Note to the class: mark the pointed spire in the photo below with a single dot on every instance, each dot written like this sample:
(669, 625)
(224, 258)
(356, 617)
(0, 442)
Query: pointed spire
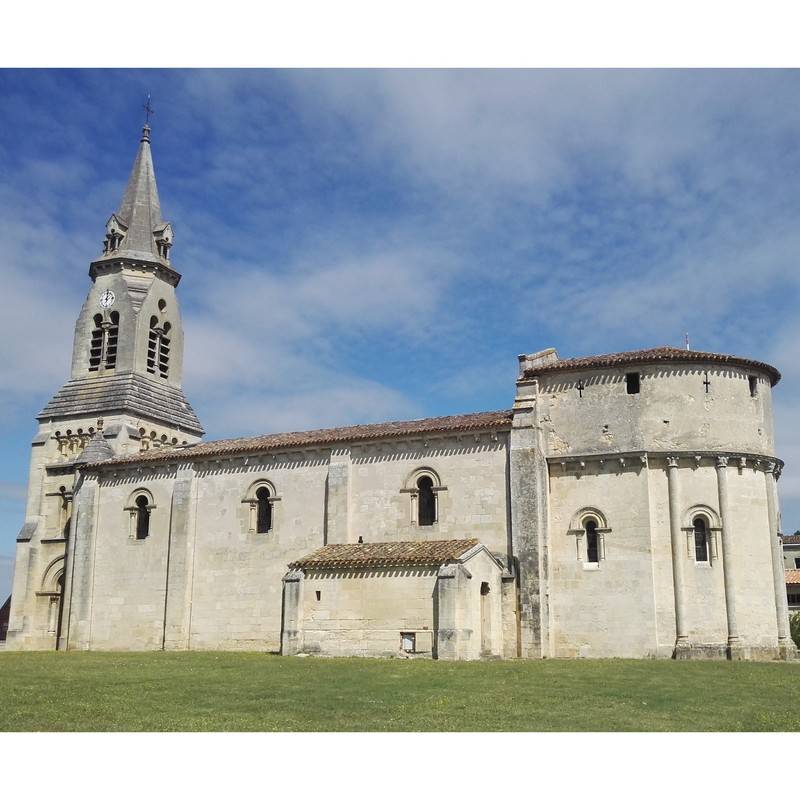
(137, 228)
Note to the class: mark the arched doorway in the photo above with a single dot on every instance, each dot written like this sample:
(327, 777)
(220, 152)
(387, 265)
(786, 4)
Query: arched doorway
(60, 612)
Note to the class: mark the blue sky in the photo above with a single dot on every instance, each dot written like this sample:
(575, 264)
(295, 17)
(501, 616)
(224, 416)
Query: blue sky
(366, 245)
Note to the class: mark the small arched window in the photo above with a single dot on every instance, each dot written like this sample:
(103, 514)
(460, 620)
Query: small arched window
(700, 540)
(263, 510)
(158, 348)
(592, 542)
(426, 501)
(142, 517)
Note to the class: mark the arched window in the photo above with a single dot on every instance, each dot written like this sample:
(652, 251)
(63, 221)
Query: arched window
(142, 517)
(592, 542)
(263, 511)
(163, 351)
(261, 499)
(158, 348)
(700, 540)
(103, 345)
(96, 344)
(590, 529)
(426, 502)
(112, 336)
(425, 490)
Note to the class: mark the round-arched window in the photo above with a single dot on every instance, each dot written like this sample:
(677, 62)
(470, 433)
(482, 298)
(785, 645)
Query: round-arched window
(264, 510)
(142, 517)
(426, 503)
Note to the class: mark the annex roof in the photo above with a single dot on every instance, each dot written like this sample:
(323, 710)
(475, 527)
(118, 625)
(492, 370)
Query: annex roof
(496, 420)
(385, 554)
(791, 539)
(654, 355)
(793, 576)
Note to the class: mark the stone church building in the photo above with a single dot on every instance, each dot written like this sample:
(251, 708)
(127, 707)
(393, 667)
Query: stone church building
(624, 506)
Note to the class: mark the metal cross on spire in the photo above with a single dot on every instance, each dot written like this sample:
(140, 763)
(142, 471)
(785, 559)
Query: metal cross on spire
(148, 110)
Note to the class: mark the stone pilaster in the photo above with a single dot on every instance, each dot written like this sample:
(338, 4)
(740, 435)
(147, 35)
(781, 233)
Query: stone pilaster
(786, 646)
(529, 486)
(292, 626)
(678, 555)
(445, 613)
(179, 561)
(734, 643)
(337, 499)
(79, 567)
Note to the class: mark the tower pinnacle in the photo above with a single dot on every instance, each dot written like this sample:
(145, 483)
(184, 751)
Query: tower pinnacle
(137, 230)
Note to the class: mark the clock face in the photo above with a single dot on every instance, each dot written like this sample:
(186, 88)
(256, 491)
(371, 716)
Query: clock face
(107, 299)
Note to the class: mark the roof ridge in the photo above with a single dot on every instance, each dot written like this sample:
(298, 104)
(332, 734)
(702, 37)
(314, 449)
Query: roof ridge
(318, 436)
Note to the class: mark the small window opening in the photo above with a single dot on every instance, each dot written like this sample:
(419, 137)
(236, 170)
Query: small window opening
(112, 337)
(484, 588)
(142, 517)
(753, 381)
(700, 540)
(264, 512)
(319, 595)
(96, 344)
(797, 563)
(426, 501)
(158, 348)
(592, 544)
(632, 382)
(408, 642)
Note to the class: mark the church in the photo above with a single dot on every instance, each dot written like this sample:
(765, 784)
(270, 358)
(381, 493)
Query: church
(623, 505)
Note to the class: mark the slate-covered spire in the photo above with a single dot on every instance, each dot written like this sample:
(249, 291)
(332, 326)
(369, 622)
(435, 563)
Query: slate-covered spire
(137, 229)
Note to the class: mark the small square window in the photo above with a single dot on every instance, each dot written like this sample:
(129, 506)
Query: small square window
(632, 382)
(408, 642)
(797, 563)
(753, 381)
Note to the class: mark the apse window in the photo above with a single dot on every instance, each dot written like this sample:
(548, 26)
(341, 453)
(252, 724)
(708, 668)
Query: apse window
(408, 642)
(753, 381)
(700, 541)
(632, 382)
(592, 542)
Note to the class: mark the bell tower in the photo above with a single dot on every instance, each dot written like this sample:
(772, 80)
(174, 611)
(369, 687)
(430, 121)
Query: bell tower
(124, 394)
(127, 357)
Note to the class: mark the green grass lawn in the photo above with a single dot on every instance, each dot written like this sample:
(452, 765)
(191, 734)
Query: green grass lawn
(258, 692)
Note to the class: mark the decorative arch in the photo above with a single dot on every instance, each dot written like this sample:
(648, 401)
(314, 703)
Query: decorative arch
(702, 524)
(710, 516)
(261, 497)
(589, 526)
(587, 513)
(140, 507)
(423, 485)
(53, 572)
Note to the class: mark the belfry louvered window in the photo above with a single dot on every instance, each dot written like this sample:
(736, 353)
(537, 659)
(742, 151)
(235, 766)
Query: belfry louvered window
(103, 345)
(158, 342)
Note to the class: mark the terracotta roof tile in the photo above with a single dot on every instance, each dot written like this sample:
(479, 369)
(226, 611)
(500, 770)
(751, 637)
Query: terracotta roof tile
(654, 355)
(791, 539)
(355, 433)
(793, 576)
(385, 554)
